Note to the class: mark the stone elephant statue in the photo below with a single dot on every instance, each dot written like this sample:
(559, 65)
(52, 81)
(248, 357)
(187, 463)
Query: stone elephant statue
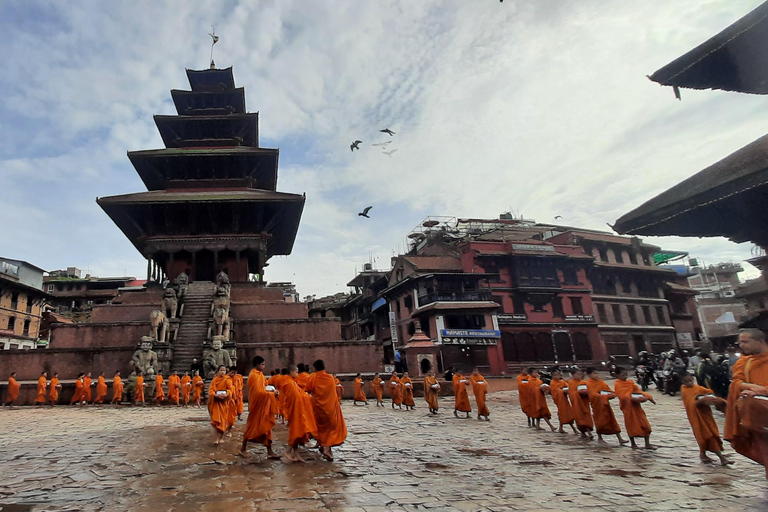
(159, 325)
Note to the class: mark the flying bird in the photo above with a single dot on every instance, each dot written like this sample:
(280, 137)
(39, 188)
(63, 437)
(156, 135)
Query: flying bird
(558, 217)
(383, 143)
(355, 145)
(389, 153)
(387, 130)
(364, 213)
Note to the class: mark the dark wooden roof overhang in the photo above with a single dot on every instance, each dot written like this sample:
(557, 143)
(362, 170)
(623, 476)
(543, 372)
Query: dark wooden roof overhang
(209, 217)
(736, 59)
(209, 102)
(207, 131)
(158, 167)
(726, 199)
(211, 79)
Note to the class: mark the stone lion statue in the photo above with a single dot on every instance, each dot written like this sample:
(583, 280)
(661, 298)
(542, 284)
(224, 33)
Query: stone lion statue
(170, 303)
(221, 299)
(181, 283)
(159, 325)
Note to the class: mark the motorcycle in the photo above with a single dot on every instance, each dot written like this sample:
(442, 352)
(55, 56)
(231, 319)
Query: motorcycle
(673, 381)
(643, 376)
(545, 375)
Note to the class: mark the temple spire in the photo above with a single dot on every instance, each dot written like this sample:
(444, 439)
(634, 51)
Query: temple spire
(215, 39)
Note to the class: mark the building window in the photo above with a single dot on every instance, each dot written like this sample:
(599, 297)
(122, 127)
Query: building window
(26, 328)
(464, 321)
(576, 306)
(29, 305)
(11, 323)
(509, 346)
(603, 254)
(660, 314)
(51, 288)
(632, 257)
(626, 286)
(15, 300)
(647, 315)
(408, 303)
(619, 255)
(604, 285)
(632, 314)
(518, 305)
(557, 307)
(602, 317)
(570, 276)
(617, 319)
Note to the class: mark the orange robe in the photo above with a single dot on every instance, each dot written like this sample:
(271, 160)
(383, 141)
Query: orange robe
(277, 400)
(430, 394)
(480, 390)
(186, 388)
(752, 370)
(564, 410)
(117, 388)
(87, 389)
(159, 393)
(407, 391)
(298, 413)
(101, 390)
(539, 407)
(79, 393)
(42, 383)
(376, 388)
(174, 387)
(138, 393)
(231, 404)
(703, 424)
(302, 380)
(396, 390)
(461, 402)
(198, 385)
(13, 389)
(580, 406)
(331, 428)
(261, 417)
(239, 385)
(523, 391)
(339, 388)
(605, 421)
(54, 394)
(218, 408)
(635, 420)
(359, 393)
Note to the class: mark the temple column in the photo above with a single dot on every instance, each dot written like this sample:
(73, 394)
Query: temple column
(149, 269)
(169, 265)
(215, 261)
(194, 264)
(237, 265)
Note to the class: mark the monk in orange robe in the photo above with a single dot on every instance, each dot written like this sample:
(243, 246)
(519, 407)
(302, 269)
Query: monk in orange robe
(431, 391)
(138, 393)
(746, 419)
(331, 428)
(13, 390)
(239, 385)
(159, 392)
(539, 408)
(174, 388)
(186, 388)
(697, 401)
(396, 390)
(117, 389)
(558, 388)
(339, 388)
(599, 395)
(377, 389)
(197, 388)
(480, 390)
(219, 393)
(407, 383)
(303, 377)
(53, 396)
(101, 389)
(261, 417)
(630, 398)
(299, 414)
(523, 392)
(579, 395)
(77, 397)
(42, 383)
(461, 398)
(87, 392)
(232, 401)
(359, 391)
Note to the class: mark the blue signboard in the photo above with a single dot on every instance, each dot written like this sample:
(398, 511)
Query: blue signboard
(470, 333)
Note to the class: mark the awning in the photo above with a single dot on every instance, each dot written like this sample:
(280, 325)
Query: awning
(381, 301)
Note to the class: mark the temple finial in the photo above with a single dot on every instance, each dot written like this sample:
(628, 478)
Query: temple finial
(215, 39)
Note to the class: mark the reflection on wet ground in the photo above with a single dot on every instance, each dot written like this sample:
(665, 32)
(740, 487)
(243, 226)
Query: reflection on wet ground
(394, 460)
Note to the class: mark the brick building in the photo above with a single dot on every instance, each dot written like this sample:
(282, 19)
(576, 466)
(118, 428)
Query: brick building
(71, 294)
(22, 300)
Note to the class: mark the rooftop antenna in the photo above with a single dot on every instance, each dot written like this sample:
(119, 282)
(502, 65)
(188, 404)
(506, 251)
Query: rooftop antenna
(215, 39)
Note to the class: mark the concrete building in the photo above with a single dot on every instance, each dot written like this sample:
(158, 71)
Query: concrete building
(719, 310)
(22, 300)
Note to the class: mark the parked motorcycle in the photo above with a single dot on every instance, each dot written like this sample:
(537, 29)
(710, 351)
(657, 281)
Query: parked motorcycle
(545, 374)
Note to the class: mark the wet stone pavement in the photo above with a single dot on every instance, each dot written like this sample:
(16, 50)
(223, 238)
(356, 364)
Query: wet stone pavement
(163, 459)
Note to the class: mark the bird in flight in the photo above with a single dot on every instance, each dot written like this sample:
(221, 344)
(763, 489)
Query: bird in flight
(355, 145)
(387, 130)
(364, 213)
(383, 143)
(558, 217)
(389, 153)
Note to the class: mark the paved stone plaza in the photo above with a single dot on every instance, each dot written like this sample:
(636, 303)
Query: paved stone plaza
(163, 459)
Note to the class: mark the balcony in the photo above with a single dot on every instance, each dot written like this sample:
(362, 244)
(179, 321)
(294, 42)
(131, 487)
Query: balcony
(454, 296)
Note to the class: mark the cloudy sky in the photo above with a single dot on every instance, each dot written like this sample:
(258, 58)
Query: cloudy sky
(541, 108)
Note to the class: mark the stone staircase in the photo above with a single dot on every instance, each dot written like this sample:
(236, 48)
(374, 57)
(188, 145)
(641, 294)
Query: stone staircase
(193, 328)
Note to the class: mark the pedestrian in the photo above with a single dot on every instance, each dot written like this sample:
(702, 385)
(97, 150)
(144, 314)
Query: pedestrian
(378, 392)
(186, 389)
(42, 383)
(600, 395)
(174, 389)
(339, 388)
(239, 385)
(117, 389)
(407, 383)
(53, 396)
(359, 391)
(101, 389)
(539, 407)
(559, 389)
(261, 414)
(431, 391)
(196, 366)
(77, 397)
(396, 390)
(524, 393)
(480, 390)
(299, 414)
(232, 401)
(219, 393)
(138, 392)
(198, 385)
(159, 392)
(461, 398)
(87, 392)
(398, 362)
(630, 399)
(579, 395)
(697, 401)
(331, 428)
(303, 377)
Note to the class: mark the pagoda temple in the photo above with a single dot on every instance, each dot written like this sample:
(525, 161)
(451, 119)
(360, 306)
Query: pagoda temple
(211, 203)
